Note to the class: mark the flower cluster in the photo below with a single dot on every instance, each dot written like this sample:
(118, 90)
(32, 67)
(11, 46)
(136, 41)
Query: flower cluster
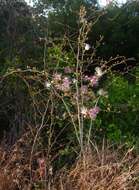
(59, 82)
(90, 113)
(66, 84)
(63, 82)
(94, 79)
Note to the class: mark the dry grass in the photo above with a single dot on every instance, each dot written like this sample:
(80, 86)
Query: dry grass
(14, 164)
(98, 169)
(103, 170)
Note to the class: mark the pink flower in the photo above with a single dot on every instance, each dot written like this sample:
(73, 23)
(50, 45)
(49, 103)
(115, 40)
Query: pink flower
(93, 112)
(93, 80)
(86, 78)
(66, 84)
(57, 77)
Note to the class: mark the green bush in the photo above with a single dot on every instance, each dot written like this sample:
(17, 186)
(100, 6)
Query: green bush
(119, 119)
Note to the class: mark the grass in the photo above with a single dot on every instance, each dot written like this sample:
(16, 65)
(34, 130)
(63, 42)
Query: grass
(99, 168)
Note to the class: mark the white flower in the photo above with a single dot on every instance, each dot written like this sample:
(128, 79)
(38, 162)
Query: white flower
(84, 111)
(102, 92)
(47, 84)
(99, 72)
(87, 47)
(51, 170)
(74, 81)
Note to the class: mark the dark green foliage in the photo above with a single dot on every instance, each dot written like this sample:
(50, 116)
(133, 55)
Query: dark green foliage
(120, 28)
(19, 36)
(119, 117)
